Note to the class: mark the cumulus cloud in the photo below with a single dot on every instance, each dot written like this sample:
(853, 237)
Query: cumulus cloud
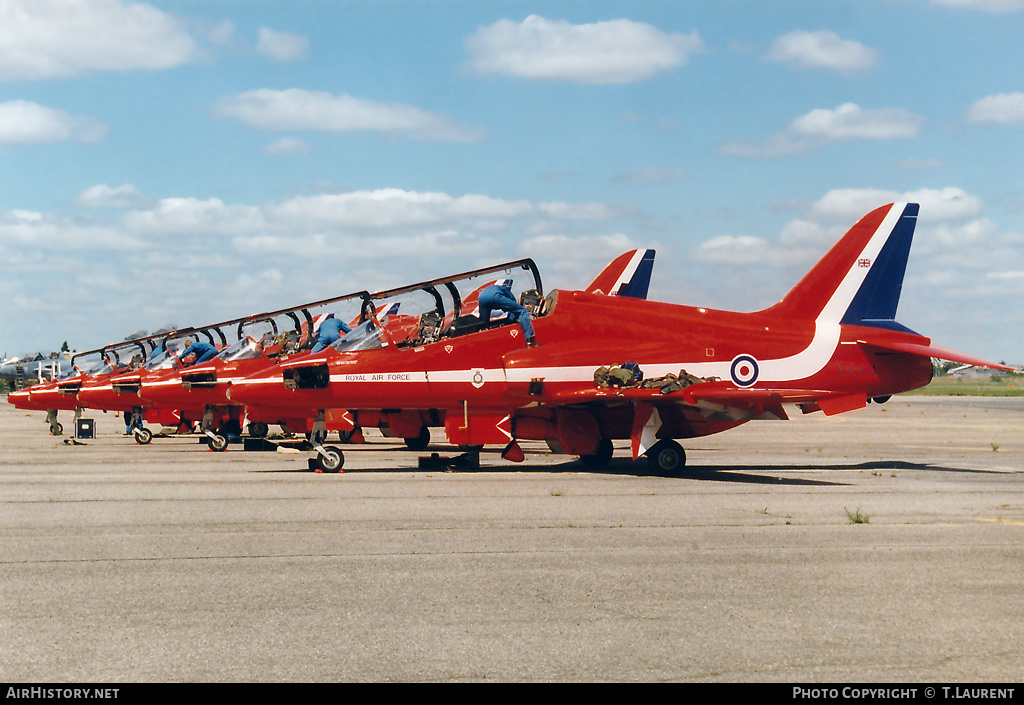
(1001, 109)
(948, 216)
(125, 196)
(24, 122)
(822, 50)
(617, 51)
(936, 204)
(297, 109)
(742, 251)
(394, 208)
(208, 255)
(822, 127)
(56, 38)
(194, 217)
(282, 46)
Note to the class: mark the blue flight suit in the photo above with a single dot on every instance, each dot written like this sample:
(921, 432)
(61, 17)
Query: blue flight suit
(330, 331)
(203, 351)
(498, 297)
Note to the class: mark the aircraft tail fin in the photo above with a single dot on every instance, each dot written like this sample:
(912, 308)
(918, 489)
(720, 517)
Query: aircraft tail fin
(860, 279)
(629, 275)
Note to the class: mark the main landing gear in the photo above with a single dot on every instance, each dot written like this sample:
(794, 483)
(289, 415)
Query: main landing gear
(666, 457)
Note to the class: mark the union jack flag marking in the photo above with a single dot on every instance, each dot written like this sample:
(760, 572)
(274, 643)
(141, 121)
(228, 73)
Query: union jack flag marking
(864, 262)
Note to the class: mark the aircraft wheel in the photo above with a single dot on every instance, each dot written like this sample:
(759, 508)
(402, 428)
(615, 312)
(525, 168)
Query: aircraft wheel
(258, 429)
(602, 456)
(218, 442)
(143, 436)
(667, 458)
(419, 442)
(332, 460)
(56, 430)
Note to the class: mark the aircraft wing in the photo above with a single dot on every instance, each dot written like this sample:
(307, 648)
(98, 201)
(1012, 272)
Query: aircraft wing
(710, 397)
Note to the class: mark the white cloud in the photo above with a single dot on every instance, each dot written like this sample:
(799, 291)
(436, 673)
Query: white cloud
(822, 127)
(391, 208)
(936, 204)
(56, 38)
(125, 196)
(282, 46)
(297, 109)
(949, 217)
(822, 50)
(1001, 109)
(734, 250)
(193, 217)
(618, 51)
(57, 234)
(580, 211)
(23, 122)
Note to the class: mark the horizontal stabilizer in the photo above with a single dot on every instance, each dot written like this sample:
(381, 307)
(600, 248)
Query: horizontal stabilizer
(936, 352)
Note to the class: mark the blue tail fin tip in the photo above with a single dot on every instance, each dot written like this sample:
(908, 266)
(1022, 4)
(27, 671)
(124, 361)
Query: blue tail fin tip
(640, 282)
(878, 297)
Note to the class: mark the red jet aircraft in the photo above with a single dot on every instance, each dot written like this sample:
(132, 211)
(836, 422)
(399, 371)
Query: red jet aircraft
(201, 389)
(404, 316)
(621, 368)
(87, 368)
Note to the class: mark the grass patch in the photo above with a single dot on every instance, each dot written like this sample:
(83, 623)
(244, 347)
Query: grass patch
(857, 517)
(994, 386)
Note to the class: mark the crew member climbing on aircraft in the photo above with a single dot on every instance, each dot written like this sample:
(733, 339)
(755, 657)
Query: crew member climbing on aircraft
(202, 351)
(499, 297)
(330, 331)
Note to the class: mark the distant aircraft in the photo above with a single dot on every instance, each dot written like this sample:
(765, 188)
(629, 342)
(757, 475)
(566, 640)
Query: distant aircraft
(34, 367)
(199, 391)
(610, 368)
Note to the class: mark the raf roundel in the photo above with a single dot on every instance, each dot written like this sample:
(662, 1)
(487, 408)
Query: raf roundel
(744, 370)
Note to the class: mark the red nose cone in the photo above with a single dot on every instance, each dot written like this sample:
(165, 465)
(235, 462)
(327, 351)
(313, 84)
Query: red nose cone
(22, 400)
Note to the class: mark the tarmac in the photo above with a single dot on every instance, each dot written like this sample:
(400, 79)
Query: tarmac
(881, 545)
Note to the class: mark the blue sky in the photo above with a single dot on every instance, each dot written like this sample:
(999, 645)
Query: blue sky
(184, 162)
